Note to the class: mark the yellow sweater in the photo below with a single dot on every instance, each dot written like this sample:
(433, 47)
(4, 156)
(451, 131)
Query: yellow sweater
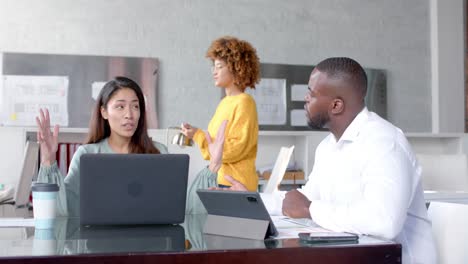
(240, 145)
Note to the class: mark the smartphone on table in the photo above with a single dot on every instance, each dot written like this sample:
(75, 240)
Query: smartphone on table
(328, 237)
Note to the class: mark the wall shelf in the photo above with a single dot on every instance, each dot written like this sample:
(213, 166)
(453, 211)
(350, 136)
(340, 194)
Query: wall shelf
(270, 142)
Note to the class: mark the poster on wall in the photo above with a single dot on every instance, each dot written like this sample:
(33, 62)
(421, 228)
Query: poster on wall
(270, 97)
(23, 96)
(78, 78)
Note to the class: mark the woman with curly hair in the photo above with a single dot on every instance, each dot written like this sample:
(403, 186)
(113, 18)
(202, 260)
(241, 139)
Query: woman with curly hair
(235, 67)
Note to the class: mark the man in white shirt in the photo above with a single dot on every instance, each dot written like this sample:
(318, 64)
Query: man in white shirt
(366, 179)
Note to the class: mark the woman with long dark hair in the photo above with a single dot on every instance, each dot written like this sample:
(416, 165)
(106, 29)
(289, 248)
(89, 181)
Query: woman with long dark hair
(117, 125)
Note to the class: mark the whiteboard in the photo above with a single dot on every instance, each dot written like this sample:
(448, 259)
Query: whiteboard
(270, 97)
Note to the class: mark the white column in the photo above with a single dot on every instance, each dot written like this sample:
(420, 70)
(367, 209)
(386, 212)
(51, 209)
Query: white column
(447, 65)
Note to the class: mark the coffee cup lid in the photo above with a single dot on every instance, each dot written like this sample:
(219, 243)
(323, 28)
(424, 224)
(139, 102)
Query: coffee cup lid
(44, 187)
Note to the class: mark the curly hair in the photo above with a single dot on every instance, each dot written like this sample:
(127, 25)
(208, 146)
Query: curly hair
(240, 57)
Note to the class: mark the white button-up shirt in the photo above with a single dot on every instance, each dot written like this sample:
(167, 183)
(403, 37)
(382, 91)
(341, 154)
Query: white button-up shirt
(369, 182)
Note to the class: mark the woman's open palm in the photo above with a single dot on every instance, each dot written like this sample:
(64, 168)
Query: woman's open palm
(47, 140)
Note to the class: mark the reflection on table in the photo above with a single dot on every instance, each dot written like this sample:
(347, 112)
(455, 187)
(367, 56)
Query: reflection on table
(148, 242)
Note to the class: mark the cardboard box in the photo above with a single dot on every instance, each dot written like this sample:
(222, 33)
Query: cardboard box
(289, 175)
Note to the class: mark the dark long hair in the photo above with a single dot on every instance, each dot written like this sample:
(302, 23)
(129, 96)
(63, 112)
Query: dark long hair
(99, 128)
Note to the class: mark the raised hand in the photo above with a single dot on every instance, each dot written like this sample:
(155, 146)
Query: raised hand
(188, 130)
(216, 147)
(48, 141)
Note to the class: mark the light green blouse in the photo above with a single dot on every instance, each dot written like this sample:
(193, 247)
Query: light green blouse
(68, 199)
(204, 180)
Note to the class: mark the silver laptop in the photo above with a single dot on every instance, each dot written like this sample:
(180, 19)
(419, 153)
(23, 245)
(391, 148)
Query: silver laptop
(123, 189)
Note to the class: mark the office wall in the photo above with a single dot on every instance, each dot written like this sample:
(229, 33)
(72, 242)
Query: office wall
(391, 35)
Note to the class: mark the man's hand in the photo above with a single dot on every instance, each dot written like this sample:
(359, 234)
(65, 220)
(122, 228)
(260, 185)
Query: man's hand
(235, 185)
(216, 147)
(296, 205)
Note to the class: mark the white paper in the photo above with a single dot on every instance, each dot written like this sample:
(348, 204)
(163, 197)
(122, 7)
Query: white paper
(290, 228)
(270, 97)
(96, 88)
(298, 117)
(300, 221)
(279, 169)
(281, 221)
(23, 95)
(298, 92)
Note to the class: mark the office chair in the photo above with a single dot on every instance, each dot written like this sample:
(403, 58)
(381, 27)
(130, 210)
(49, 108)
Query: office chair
(18, 206)
(450, 229)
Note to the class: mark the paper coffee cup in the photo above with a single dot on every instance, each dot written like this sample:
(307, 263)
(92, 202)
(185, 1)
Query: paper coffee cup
(44, 204)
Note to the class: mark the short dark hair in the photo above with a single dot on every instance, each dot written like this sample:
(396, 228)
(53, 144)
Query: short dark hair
(345, 68)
